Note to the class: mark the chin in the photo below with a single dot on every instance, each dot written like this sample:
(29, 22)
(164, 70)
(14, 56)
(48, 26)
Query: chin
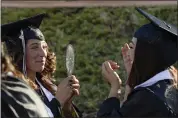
(40, 69)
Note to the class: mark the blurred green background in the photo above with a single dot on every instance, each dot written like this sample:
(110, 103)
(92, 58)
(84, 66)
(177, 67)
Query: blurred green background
(97, 34)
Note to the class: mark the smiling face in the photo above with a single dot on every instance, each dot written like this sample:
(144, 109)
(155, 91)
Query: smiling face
(36, 53)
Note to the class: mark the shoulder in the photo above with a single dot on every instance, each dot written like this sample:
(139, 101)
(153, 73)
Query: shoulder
(141, 93)
(144, 102)
(141, 97)
(158, 90)
(153, 99)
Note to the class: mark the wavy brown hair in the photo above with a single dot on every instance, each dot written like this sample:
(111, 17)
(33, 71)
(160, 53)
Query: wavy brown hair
(174, 73)
(46, 76)
(15, 51)
(7, 67)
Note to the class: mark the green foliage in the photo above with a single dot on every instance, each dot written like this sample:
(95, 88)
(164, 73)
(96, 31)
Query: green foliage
(97, 34)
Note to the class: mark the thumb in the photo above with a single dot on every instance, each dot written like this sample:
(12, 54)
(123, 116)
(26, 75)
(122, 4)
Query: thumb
(108, 67)
(116, 75)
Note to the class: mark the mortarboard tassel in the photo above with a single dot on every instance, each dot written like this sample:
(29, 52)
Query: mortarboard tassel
(24, 56)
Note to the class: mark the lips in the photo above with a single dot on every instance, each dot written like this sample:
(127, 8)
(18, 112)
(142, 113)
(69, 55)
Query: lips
(41, 62)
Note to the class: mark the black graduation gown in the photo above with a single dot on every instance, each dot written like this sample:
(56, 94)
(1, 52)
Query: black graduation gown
(19, 100)
(158, 100)
(54, 105)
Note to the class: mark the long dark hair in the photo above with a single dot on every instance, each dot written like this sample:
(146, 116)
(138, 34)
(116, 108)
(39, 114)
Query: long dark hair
(148, 62)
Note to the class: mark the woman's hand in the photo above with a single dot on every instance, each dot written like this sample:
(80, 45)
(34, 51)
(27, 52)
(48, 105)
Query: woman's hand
(128, 56)
(68, 88)
(108, 72)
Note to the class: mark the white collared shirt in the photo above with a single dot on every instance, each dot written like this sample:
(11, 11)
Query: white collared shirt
(49, 97)
(158, 77)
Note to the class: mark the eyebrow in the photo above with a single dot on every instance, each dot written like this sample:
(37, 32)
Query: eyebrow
(37, 44)
(34, 44)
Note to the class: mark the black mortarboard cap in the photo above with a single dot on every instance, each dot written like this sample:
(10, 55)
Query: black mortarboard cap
(29, 26)
(161, 34)
(160, 23)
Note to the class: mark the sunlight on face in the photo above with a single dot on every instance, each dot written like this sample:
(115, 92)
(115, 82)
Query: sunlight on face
(132, 46)
(36, 53)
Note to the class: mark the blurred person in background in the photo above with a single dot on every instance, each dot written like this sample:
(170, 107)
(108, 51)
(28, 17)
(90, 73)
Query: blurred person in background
(18, 99)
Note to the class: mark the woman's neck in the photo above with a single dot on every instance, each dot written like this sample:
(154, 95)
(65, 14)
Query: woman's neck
(31, 75)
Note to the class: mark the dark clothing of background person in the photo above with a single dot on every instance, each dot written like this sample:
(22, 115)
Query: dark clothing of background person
(158, 100)
(18, 100)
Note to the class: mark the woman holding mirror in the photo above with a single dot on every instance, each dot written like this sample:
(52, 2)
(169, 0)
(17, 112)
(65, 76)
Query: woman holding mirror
(30, 54)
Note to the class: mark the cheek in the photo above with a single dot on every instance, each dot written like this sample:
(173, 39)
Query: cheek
(133, 52)
(30, 59)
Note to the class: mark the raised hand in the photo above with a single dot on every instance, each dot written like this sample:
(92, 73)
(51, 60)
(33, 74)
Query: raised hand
(111, 76)
(68, 88)
(128, 56)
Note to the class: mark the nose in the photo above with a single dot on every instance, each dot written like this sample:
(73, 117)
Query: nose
(42, 52)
